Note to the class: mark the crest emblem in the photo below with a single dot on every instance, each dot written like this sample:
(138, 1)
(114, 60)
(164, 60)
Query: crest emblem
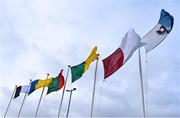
(162, 31)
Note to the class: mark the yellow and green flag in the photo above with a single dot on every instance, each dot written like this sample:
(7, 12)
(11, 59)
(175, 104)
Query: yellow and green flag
(78, 70)
(93, 56)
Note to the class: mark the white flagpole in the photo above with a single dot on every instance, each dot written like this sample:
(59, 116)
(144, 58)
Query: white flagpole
(22, 105)
(94, 87)
(40, 98)
(23, 102)
(60, 105)
(10, 101)
(141, 80)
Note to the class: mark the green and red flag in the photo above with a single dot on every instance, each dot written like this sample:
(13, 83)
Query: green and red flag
(57, 83)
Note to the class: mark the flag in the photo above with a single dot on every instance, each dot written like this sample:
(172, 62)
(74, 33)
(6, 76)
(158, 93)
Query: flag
(161, 30)
(32, 86)
(129, 44)
(93, 56)
(21, 89)
(78, 70)
(36, 84)
(57, 83)
(43, 83)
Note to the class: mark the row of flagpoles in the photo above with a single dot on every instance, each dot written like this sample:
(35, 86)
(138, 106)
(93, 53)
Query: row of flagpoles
(112, 63)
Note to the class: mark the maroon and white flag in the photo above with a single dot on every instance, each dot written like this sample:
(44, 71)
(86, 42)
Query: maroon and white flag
(129, 44)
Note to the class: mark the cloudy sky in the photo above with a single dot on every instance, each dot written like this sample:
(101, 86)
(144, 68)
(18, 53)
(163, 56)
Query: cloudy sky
(39, 37)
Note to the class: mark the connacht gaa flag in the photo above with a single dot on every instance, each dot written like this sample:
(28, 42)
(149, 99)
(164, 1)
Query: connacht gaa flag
(129, 44)
(155, 36)
(78, 70)
(57, 83)
(21, 89)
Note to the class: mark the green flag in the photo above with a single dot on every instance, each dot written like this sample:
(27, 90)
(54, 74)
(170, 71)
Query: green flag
(77, 71)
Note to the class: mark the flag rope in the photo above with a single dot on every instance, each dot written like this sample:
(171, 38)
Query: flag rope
(101, 92)
(146, 86)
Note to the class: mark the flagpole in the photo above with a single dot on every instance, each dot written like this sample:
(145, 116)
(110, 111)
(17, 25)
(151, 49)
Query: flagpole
(23, 102)
(41, 97)
(10, 101)
(60, 105)
(141, 80)
(94, 87)
(22, 105)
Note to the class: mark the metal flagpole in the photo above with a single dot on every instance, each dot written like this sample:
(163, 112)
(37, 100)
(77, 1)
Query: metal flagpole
(69, 100)
(40, 98)
(141, 80)
(23, 102)
(92, 105)
(22, 105)
(60, 105)
(10, 101)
